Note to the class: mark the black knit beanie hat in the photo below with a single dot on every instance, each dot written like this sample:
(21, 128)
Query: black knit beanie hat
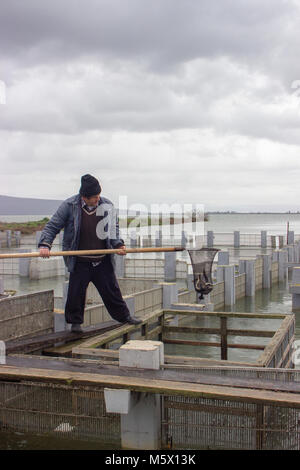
(89, 186)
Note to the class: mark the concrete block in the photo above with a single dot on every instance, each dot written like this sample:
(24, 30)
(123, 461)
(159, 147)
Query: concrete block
(140, 354)
(117, 400)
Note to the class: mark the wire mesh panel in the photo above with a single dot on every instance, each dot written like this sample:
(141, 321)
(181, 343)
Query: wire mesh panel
(66, 411)
(219, 424)
(202, 261)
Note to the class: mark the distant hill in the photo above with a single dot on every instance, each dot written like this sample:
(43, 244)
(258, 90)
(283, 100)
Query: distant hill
(27, 206)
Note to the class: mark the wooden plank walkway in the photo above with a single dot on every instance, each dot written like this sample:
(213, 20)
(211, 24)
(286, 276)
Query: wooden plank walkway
(164, 387)
(43, 341)
(167, 382)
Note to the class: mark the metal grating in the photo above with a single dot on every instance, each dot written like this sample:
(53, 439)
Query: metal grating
(200, 423)
(65, 411)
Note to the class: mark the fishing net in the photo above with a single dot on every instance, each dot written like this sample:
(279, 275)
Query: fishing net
(202, 261)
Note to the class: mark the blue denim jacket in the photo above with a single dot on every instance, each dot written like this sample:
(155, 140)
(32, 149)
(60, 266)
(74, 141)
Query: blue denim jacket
(68, 217)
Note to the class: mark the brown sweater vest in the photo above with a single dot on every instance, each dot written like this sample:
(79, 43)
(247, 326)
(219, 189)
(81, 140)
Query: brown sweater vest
(88, 237)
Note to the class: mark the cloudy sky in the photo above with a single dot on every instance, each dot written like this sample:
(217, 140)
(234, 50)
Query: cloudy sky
(165, 101)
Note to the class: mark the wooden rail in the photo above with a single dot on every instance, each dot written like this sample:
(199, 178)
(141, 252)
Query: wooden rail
(161, 331)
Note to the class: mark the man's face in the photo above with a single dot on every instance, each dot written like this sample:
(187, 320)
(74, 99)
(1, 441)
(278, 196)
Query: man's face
(92, 200)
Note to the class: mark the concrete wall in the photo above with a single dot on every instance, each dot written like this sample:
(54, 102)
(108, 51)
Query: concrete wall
(45, 268)
(240, 286)
(144, 268)
(218, 294)
(258, 273)
(26, 315)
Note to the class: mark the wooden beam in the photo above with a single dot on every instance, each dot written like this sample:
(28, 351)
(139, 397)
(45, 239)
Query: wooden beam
(274, 316)
(214, 344)
(146, 385)
(217, 331)
(36, 254)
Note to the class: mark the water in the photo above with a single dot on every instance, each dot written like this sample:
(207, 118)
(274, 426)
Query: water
(275, 300)
(247, 223)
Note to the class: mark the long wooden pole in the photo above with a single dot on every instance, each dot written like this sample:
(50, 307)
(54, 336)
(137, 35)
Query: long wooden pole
(36, 254)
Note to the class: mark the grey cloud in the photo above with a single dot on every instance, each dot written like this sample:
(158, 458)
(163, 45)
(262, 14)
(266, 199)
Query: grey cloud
(159, 33)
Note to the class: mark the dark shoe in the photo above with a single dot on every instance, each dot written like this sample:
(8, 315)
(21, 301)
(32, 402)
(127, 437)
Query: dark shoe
(133, 321)
(76, 328)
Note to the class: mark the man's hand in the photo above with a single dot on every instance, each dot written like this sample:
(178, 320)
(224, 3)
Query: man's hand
(122, 250)
(44, 252)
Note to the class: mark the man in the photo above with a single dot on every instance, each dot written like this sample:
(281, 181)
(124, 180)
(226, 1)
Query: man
(89, 223)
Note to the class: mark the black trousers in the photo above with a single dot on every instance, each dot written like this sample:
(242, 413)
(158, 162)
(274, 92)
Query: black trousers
(104, 279)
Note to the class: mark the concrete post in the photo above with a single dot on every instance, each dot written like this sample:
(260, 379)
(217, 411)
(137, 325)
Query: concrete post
(1, 286)
(198, 241)
(59, 318)
(282, 265)
(296, 252)
(8, 238)
(242, 266)
(183, 239)
(275, 256)
(37, 237)
(273, 241)
(295, 288)
(170, 294)
(290, 237)
(120, 265)
(18, 238)
(290, 250)
(223, 258)
(170, 266)
(229, 280)
(236, 239)
(133, 240)
(263, 239)
(140, 412)
(267, 265)
(220, 274)
(147, 241)
(158, 238)
(250, 277)
(24, 264)
(210, 239)
(281, 241)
